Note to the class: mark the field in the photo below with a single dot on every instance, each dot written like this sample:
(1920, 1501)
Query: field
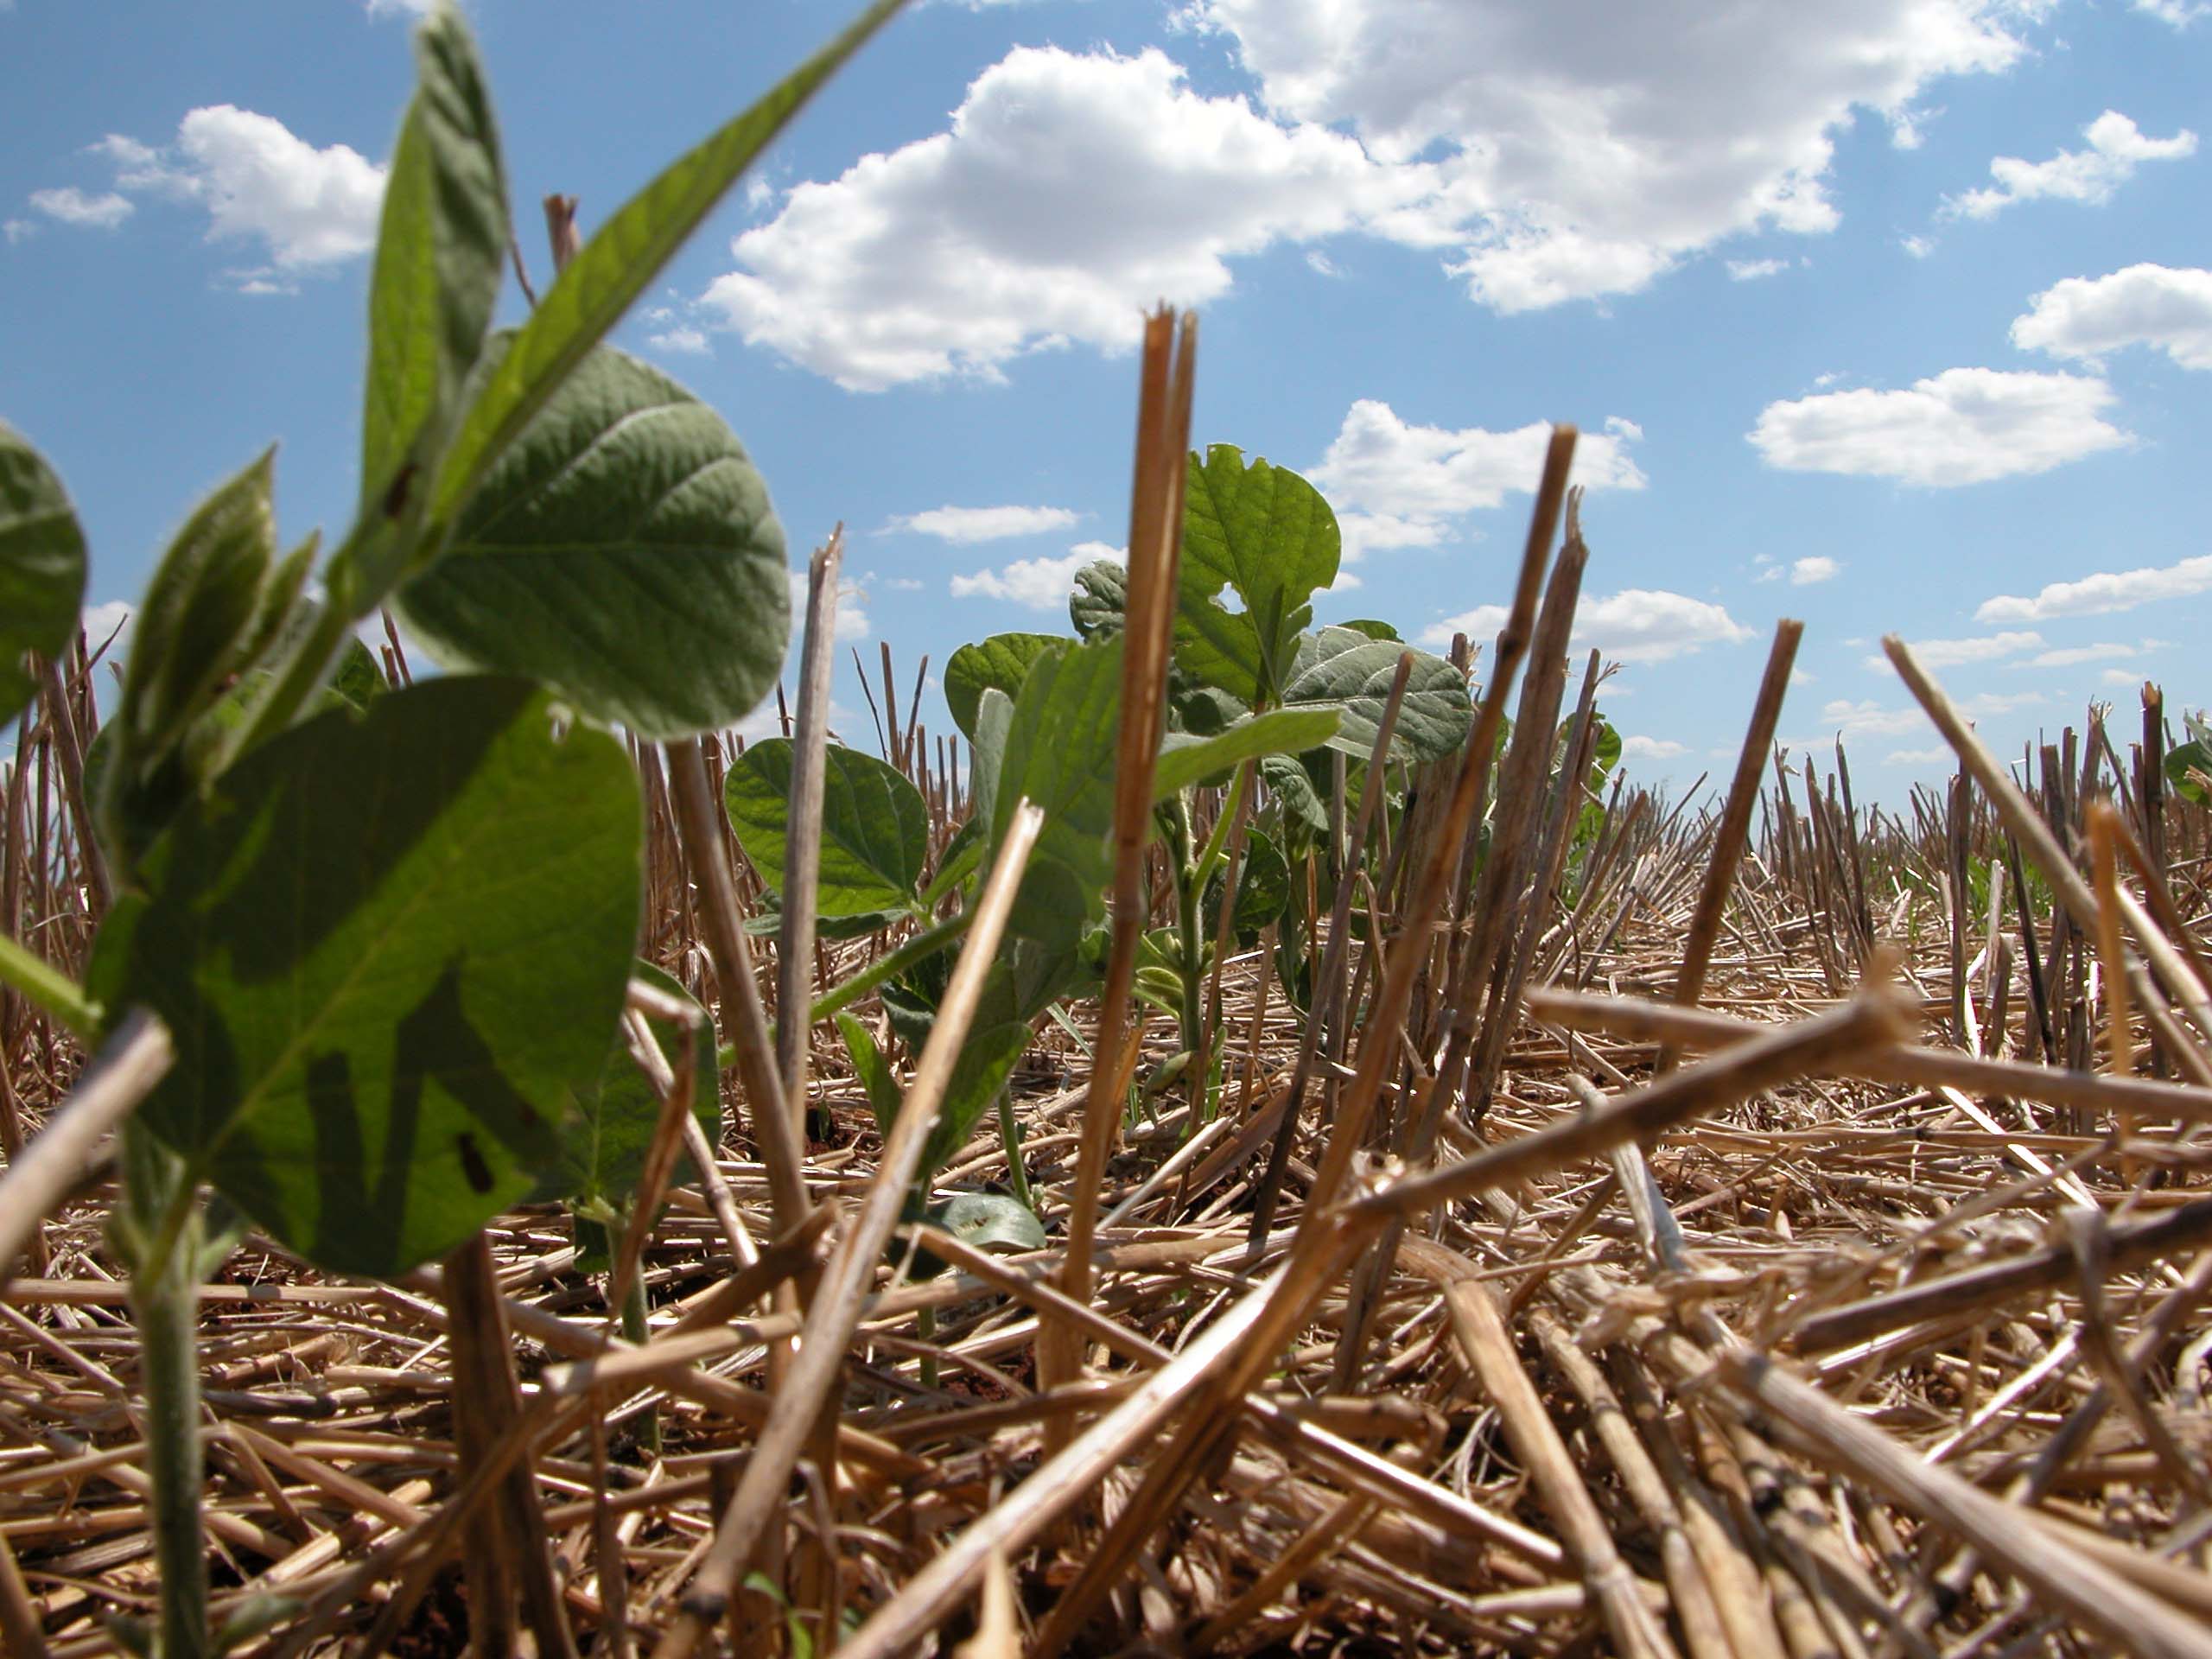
(1261, 1139)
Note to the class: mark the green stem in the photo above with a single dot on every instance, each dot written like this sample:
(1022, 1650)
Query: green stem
(1010, 1134)
(165, 1298)
(53, 991)
(637, 1330)
(1190, 904)
(926, 1328)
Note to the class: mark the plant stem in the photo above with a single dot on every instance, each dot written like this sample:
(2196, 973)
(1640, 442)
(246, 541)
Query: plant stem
(1010, 1134)
(926, 1328)
(1190, 902)
(53, 991)
(165, 1298)
(636, 1331)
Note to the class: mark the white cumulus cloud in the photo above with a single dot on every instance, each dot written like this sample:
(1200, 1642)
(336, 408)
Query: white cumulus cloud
(1651, 748)
(1814, 567)
(1581, 150)
(73, 206)
(983, 523)
(1397, 484)
(1963, 426)
(2101, 592)
(2117, 147)
(1035, 584)
(2167, 310)
(1950, 653)
(1750, 270)
(1070, 191)
(259, 181)
(1636, 625)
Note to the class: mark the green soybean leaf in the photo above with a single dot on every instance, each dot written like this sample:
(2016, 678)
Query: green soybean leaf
(390, 948)
(1371, 628)
(623, 552)
(874, 1071)
(1605, 753)
(42, 568)
(1185, 759)
(1262, 887)
(1001, 662)
(767, 923)
(875, 826)
(1341, 669)
(989, 1221)
(190, 631)
(1059, 753)
(618, 264)
(1266, 534)
(1100, 603)
(2188, 765)
(986, 1060)
(994, 720)
(441, 250)
(142, 807)
(1221, 650)
(1289, 782)
(605, 1141)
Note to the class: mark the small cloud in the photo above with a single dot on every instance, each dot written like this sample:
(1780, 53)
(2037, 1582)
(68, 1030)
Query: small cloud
(1652, 748)
(1800, 676)
(1817, 568)
(73, 206)
(1319, 263)
(1822, 382)
(1963, 426)
(1752, 270)
(1035, 584)
(1918, 246)
(102, 623)
(902, 584)
(1918, 757)
(17, 230)
(260, 279)
(1635, 626)
(1950, 653)
(686, 341)
(2073, 656)
(2116, 148)
(2103, 592)
(2180, 13)
(2166, 309)
(968, 524)
(2121, 677)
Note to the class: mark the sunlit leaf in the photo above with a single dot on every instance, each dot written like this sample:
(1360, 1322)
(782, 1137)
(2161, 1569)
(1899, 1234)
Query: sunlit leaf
(623, 552)
(875, 826)
(42, 568)
(617, 264)
(1186, 760)
(1001, 662)
(1341, 669)
(440, 252)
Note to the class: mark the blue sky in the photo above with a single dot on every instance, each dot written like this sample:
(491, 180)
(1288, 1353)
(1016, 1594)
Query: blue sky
(1890, 314)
